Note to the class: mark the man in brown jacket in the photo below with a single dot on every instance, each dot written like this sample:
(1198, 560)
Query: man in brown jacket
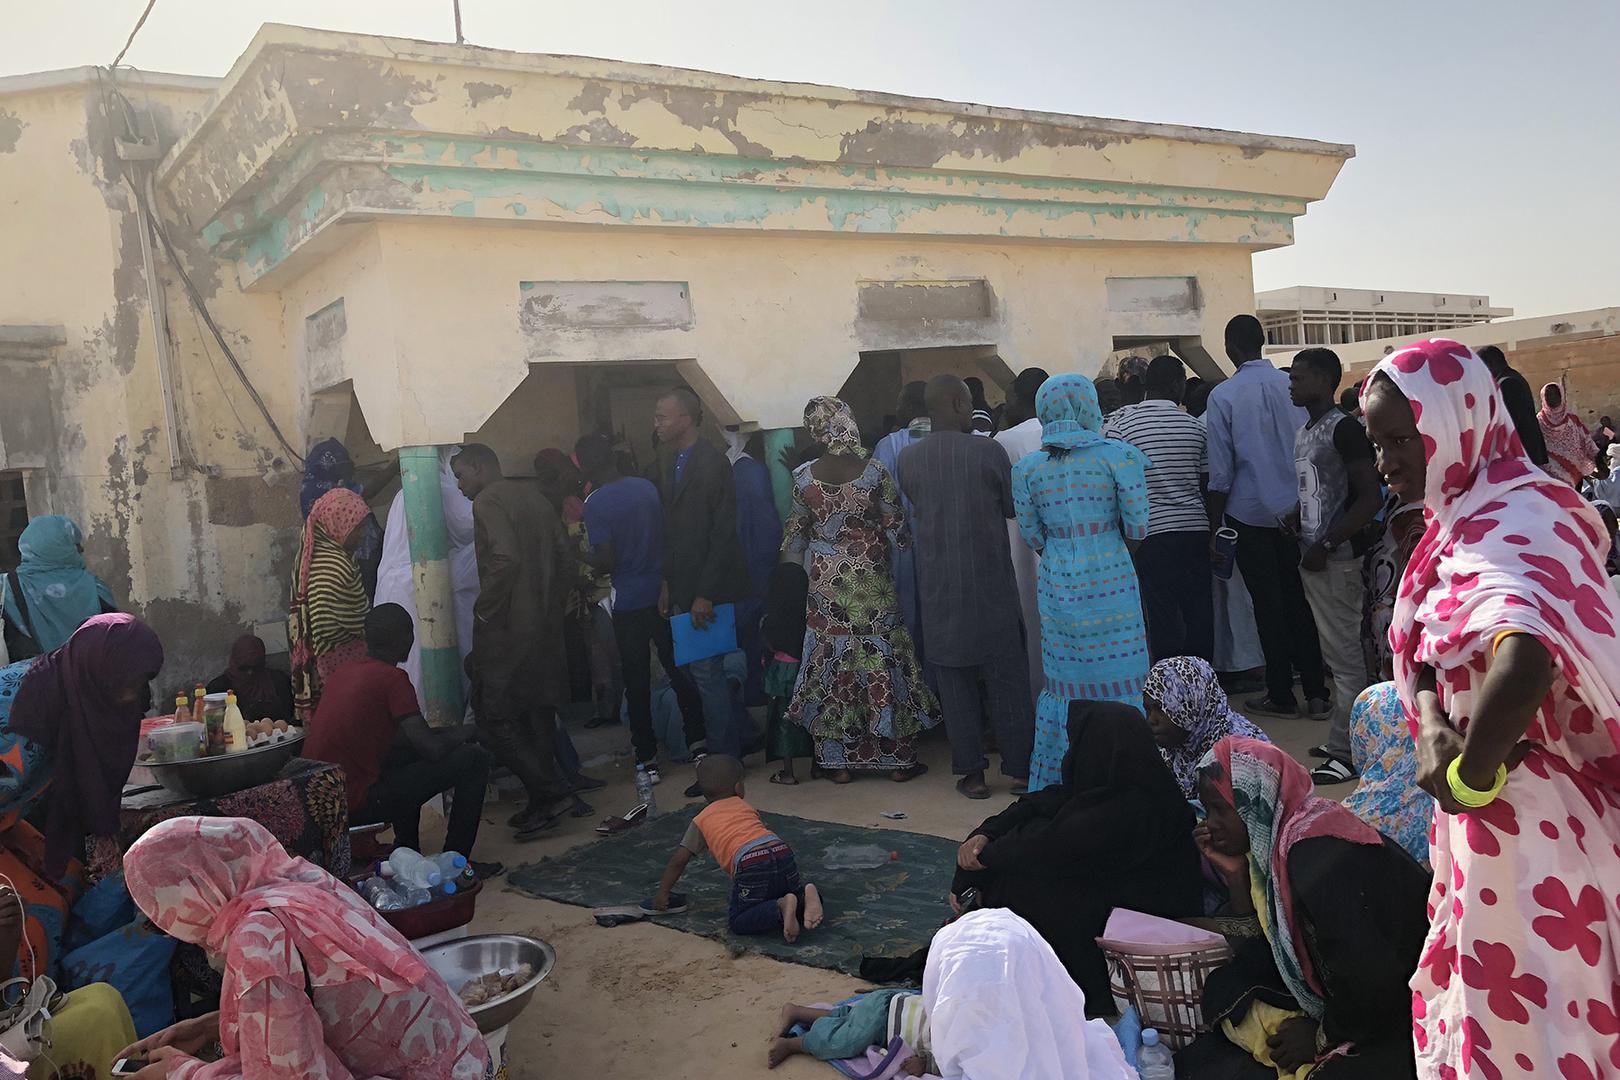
(525, 565)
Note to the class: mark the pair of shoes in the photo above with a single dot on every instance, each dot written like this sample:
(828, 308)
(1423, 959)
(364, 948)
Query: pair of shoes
(976, 790)
(581, 782)
(1318, 708)
(1269, 706)
(1333, 771)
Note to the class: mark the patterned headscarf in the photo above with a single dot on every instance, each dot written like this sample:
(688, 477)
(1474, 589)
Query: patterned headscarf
(831, 424)
(1274, 796)
(68, 705)
(59, 591)
(199, 878)
(1506, 547)
(1570, 448)
(1186, 688)
(1069, 414)
(329, 601)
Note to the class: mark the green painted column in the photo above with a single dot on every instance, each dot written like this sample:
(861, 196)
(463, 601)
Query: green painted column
(430, 573)
(777, 440)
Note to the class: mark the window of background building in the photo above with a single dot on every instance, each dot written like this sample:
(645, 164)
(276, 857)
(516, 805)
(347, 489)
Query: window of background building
(13, 517)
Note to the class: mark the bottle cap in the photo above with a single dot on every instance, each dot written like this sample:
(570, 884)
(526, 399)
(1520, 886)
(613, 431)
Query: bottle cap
(1150, 1037)
(449, 888)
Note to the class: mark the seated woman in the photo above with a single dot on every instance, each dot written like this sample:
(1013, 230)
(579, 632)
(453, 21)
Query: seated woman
(1388, 797)
(1116, 833)
(316, 983)
(50, 594)
(1324, 991)
(262, 692)
(69, 728)
(1188, 712)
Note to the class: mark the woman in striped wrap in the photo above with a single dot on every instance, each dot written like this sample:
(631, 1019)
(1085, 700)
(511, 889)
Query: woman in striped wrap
(326, 622)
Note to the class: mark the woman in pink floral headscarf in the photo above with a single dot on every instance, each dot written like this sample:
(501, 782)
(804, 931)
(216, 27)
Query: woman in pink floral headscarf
(1508, 669)
(316, 983)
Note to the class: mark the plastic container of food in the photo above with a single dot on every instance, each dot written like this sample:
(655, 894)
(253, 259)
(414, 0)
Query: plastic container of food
(174, 742)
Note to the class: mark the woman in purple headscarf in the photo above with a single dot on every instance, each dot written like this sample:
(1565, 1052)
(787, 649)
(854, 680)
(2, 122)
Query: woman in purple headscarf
(70, 723)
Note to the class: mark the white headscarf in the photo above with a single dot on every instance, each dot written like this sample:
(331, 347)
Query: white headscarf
(735, 441)
(1001, 1007)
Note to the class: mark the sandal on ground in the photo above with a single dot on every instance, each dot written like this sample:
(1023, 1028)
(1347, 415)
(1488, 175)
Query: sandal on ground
(901, 776)
(1267, 706)
(1333, 771)
(977, 791)
(1320, 751)
(632, 817)
(780, 777)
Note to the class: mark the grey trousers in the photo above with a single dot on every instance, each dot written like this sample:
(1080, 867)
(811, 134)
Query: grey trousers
(1336, 596)
(1012, 712)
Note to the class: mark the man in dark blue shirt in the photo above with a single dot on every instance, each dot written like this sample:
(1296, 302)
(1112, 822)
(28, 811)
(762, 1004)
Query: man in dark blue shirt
(624, 520)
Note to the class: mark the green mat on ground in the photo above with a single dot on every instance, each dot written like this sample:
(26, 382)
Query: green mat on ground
(890, 910)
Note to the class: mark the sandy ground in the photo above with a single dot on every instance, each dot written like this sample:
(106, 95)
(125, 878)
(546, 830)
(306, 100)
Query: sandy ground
(642, 1001)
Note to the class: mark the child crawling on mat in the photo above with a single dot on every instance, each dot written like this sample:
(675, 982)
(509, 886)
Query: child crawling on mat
(847, 1031)
(767, 892)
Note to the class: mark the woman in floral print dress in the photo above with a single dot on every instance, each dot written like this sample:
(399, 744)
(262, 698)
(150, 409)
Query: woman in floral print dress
(1508, 668)
(860, 691)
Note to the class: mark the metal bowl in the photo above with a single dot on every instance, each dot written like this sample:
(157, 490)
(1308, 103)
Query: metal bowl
(210, 777)
(467, 958)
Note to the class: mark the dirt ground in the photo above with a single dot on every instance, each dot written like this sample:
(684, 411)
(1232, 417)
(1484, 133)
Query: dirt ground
(639, 1001)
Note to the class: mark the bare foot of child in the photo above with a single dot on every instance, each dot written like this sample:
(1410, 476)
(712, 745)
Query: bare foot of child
(790, 918)
(812, 907)
(782, 1049)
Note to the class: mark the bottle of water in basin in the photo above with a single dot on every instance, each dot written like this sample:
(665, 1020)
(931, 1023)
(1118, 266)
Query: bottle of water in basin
(411, 871)
(1155, 1062)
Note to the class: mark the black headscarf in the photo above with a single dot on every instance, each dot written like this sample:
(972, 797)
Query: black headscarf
(1117, 801)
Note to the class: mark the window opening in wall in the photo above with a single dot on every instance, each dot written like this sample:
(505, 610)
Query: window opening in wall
(13, 517)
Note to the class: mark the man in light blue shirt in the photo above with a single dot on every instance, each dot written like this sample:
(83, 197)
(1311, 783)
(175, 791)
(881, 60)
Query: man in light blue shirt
(1251, 423)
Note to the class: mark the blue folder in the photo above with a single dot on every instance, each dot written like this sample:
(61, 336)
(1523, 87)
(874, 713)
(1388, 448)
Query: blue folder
(692, 644)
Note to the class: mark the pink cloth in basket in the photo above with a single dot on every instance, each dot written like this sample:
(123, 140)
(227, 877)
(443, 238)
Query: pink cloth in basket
(1127, 929)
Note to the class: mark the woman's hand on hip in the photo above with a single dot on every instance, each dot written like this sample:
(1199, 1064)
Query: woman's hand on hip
(1437, 744)
(967, 856)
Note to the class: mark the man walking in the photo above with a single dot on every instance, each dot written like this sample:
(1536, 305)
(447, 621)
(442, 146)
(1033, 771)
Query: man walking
(525, 567)
(1172, 563)
(1020, 437)
(1250, 424)
(960, 488)
(1338, 498)
(703, 560)
(624, 521)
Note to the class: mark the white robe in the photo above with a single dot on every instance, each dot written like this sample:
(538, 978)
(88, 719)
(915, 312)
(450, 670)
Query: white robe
(1020, 441)
(394, 578)
(1001, 1007)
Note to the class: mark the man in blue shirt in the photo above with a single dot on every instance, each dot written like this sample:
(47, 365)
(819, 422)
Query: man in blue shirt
(1251, 425)
(624, 520)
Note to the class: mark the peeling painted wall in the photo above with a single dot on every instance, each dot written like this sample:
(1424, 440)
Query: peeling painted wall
(203, 557)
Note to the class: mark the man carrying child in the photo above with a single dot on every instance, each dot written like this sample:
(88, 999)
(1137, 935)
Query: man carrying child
(767, 892)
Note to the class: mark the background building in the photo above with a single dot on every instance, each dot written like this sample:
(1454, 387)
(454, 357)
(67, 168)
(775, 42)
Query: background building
(407, 245)
(1305, 315)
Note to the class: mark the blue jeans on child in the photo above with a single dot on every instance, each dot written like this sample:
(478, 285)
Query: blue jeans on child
(764, 875)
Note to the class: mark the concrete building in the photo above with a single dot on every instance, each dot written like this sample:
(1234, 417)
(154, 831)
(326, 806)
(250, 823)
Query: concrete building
(1303, 315)
(409, 244)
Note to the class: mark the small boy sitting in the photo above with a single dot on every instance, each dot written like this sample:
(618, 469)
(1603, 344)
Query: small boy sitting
(767, 892)
(847, 1031)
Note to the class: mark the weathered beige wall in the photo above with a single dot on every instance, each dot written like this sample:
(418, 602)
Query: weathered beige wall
(202, 557)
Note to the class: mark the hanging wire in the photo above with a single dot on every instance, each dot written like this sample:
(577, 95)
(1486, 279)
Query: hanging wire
(457, 5)
(150, 4)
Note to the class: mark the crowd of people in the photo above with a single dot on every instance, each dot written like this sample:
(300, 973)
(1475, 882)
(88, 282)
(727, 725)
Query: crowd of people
(1073, 583)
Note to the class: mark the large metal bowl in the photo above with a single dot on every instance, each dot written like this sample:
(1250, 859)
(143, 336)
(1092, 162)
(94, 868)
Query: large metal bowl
(210, 777)
(463, 960)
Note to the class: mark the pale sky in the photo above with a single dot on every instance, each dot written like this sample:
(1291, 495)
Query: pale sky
(1487, 131)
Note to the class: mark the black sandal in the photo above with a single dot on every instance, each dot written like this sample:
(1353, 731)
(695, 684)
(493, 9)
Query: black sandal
(781, 777)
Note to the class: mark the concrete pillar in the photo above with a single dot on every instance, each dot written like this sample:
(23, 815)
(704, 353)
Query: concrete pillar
(777, 440)
(430, 574)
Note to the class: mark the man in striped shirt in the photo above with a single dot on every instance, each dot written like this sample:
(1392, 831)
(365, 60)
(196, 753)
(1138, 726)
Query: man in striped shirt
(1173, 562)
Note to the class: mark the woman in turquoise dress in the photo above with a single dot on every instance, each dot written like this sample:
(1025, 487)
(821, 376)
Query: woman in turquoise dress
(1080, 497)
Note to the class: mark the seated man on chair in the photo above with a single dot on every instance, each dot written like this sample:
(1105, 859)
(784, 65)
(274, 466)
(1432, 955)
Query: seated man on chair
(370, 723)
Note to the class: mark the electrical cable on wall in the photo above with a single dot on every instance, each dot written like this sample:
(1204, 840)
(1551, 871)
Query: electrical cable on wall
(193, 294)
(150, 4)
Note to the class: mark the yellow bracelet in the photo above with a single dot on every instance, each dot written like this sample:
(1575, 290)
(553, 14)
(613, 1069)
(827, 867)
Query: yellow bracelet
(1470, 797)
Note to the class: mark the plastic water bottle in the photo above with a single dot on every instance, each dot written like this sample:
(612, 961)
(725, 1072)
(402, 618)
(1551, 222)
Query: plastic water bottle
(452, 865)
(644, 791)
(411, 871)
(380, 894)
(1155, 1062)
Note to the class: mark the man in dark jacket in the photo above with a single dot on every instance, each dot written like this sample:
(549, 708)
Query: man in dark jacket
(1520, 402)
(703, 560)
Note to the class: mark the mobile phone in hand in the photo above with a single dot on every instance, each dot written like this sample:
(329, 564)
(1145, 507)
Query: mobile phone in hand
(129, 1066)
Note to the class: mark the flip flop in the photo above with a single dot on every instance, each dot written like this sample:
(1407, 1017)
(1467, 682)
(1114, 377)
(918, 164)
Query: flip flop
(1333, 771)
(785, 781)
(632, 817)
(1320, 751)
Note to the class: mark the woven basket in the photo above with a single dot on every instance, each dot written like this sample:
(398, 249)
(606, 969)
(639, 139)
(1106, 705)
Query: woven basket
(1164, 983)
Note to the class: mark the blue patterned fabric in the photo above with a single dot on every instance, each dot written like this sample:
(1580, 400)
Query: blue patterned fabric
(1077, 510)
(1388, 797)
